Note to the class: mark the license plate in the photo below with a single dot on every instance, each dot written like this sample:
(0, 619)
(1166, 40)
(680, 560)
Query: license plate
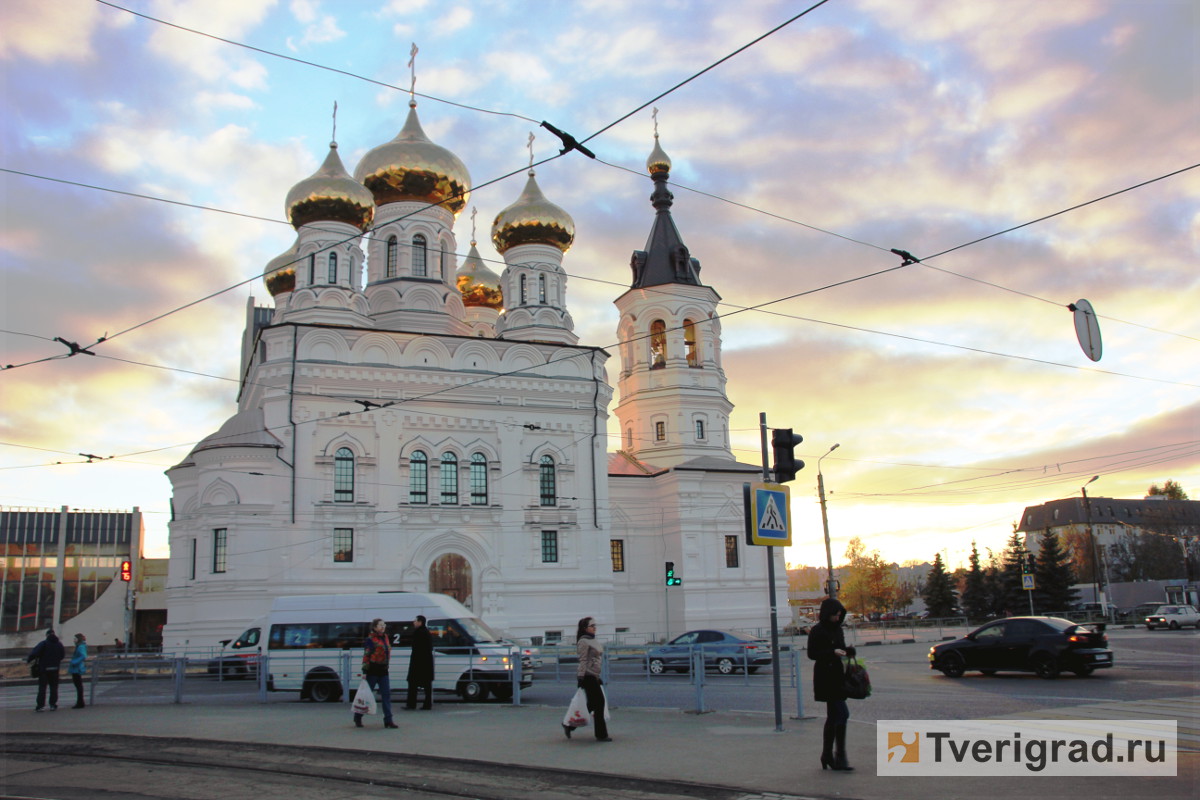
(1102, 657)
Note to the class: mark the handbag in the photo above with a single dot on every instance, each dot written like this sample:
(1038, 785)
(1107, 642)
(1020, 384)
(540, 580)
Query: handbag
(577, 712)
(35, 669)
(364, 698)
(856, 680)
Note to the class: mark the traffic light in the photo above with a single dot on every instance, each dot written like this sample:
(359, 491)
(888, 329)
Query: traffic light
(126, 571)
(1029, 564)
(783, 441)
(671, 580)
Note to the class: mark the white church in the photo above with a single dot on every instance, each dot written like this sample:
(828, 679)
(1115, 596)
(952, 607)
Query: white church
(407, 422)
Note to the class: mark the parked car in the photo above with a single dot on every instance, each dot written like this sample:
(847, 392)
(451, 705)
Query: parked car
(1043, 645)
(1173, 617)
(723, 651)
(235, 665)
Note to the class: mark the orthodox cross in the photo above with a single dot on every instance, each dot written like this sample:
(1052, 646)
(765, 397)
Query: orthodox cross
(412, 65)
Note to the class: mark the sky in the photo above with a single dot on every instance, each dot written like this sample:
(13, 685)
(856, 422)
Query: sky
(145, 169)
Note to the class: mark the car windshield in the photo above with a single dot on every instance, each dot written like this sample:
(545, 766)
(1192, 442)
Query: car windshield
(479, 630)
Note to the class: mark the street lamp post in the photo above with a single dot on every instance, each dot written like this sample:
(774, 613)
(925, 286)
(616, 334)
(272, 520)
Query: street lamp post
(1087, 510)
(831, 584)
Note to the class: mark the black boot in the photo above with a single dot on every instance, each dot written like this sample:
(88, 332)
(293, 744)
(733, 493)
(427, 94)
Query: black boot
(839, 740)
(827, 745)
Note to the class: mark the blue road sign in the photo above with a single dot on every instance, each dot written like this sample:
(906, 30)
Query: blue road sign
(768, 514)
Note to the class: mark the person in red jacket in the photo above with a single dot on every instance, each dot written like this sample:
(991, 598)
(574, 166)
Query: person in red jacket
(377, 657)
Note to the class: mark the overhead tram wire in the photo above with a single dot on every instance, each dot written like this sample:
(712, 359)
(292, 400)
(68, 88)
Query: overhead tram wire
(313, 64)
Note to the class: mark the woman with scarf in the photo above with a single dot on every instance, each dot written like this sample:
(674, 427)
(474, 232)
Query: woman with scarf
(377, 656)
(827, 647)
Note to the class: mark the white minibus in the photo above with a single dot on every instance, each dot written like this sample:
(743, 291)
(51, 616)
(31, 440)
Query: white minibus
(305, 637)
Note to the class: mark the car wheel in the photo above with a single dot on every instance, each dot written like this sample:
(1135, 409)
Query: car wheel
(1046, 668)
(1084, 670)
(953, 665)
(472, 690)
(988, 672)
(324, 691)
(725, 666)
(1174, 625)
(656, 666)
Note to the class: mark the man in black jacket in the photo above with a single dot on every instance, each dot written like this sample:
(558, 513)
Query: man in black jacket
(420, 665)
(48, 654)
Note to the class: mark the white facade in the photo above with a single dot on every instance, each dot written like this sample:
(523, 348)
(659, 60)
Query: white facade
(390, 436)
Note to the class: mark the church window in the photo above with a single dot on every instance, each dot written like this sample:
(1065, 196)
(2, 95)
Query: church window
(312, 268)
(542, 289)
(220, 549)
(420, 253)
(343, 545)
(447, 264)
(333, 267)
(393, 256)
(192, 575)
(479, 482)
(658, 344)
(524, 291)
(549, 547)
(343, 476)
(418, 478)
(660, 431)
(449, 479)
(700, 429)
(629, 438)
(731, 551)
(616, 548)
(548, 482)
(689, 341)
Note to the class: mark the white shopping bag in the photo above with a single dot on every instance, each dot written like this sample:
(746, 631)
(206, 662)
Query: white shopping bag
(364, 699)
(604, 692)
(577, 713)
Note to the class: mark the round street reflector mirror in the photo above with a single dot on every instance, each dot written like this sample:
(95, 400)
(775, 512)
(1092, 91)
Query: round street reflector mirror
(1087, 329)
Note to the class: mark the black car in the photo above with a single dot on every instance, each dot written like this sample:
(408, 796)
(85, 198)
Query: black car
(1043, 645)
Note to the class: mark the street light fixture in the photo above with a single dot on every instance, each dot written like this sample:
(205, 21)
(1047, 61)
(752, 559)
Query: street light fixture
(1087, 510)
(831, 584)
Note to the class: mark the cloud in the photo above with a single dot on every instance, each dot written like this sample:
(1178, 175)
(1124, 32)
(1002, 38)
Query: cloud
(49, 31)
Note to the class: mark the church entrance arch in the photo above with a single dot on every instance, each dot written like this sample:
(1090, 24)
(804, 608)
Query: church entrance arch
(451, 574)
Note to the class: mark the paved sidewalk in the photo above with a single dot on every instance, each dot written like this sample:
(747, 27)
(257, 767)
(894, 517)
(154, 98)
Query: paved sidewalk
(740, 750)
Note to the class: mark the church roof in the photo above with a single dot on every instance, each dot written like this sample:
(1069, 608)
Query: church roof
(243, 429)
(666, 258)
(622, 463)
(718, 464)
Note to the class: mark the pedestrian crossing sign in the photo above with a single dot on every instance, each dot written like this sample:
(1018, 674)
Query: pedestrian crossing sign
(768, 514)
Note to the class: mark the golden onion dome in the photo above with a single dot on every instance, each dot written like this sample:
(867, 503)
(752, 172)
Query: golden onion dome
(479, 285)
(533, 220)
(410, 167)
(280, 274)
(658, 161)
(330, 194)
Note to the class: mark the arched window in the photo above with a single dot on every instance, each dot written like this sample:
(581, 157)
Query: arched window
(447, 262)
(629, 438)
(420, 255)
(479, 489)
(658, 344)
(333, 267)
(524, 293)
(312, 268)
(449, 479)
(660, 431)
(418, 478)
(542, 289)
(343, 476)
(700, 429)
(689, 342)
(393, 256)
(547, 482)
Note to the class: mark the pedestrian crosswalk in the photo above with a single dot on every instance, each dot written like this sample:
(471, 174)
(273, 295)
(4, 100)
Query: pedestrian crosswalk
(1184, 710)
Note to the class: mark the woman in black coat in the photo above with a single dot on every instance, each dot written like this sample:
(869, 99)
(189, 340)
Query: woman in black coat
(827, 646)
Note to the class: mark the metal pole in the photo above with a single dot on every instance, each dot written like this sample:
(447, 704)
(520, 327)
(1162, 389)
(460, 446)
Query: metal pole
(831, 585)
(778, 692)
(1087, 510)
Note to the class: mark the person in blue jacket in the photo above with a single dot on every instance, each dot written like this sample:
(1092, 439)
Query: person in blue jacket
(78, 667)
(48, 654)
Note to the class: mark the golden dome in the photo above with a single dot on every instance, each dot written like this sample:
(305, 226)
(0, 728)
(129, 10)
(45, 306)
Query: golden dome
(330, 194)
(533, 220)
(280, 274)
(658, 161)
(410, 167)
(479, 285)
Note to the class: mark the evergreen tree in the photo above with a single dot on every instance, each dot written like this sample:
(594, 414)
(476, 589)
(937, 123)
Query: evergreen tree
(975, 602)
(1015, 602)
(1055, 591)
(938, 593)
